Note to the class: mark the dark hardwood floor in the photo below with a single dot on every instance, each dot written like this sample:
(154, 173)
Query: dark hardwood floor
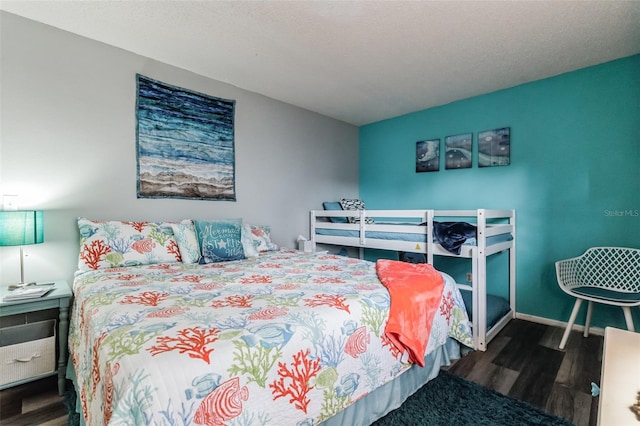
(523, 362)
(35, 403)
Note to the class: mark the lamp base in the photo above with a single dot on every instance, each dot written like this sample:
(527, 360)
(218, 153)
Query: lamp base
(22, 283)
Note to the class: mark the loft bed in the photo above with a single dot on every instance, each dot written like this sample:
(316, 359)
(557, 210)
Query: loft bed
(421, 231)
(170, 326)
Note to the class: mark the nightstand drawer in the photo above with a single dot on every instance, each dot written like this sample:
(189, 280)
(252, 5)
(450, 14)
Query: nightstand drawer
(27, 350)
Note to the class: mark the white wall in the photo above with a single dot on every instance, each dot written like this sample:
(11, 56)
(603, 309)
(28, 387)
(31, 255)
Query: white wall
(67, 146)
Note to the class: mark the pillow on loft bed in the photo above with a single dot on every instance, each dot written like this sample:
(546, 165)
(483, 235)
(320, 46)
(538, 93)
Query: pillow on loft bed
(111, 244)
(334, 205)
(354, 204)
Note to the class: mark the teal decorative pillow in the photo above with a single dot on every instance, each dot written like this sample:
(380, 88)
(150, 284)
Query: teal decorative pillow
(334, 205)
(220, 240)
(111, 244)
(261, 236)
(185, 235)
(354, 204)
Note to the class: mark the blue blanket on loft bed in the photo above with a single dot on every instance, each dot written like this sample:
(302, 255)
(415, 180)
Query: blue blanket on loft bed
(452, 235)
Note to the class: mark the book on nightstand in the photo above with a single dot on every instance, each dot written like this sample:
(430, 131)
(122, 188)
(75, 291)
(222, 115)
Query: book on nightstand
(28, 292)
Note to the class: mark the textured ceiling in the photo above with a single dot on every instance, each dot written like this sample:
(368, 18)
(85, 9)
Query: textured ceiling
(358, 61)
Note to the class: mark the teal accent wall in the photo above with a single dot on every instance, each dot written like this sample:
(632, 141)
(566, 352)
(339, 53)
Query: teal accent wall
(574, 177)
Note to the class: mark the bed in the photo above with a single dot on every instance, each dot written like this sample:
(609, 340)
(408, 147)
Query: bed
(276, 337)
(417, 231)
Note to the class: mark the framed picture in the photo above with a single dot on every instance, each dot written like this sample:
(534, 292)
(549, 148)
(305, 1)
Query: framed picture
(428, 156)
(458, 151)
(494, 147)
(185, 143)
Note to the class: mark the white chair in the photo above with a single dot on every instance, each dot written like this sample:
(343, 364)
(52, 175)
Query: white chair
(609, 275)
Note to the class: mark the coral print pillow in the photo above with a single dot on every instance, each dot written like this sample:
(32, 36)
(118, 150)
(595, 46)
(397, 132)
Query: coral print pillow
(261, 236)
(220, 240)
(110, 244)
(187, 239)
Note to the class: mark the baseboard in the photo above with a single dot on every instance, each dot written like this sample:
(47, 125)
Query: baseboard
(554, 323)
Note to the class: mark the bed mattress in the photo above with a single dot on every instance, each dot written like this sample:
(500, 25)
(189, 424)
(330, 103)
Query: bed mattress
(403, 236)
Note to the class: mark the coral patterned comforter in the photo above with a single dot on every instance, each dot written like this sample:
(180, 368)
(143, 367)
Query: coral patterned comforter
(286, 338)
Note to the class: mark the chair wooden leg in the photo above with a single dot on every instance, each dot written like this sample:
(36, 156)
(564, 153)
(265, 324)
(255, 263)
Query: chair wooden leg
(628, 318)
(588, 320)
(572, 319)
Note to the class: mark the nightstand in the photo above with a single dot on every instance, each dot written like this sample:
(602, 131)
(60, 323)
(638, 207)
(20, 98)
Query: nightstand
(59, 298)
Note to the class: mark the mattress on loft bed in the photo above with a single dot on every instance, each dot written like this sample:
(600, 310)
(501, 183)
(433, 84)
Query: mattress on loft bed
(412, 237)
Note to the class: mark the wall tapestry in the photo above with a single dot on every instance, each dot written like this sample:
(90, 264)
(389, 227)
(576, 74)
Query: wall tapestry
(185, 143)
(458, 151)
(494, 147)
(428, 156)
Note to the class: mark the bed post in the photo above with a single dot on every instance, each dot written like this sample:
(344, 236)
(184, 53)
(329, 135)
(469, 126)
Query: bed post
(512, 265)
(362, 221)
(312, 229)
(480, 277)
(430, 215)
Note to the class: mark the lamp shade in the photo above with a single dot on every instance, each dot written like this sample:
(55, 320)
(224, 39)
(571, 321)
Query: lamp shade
(21, 228)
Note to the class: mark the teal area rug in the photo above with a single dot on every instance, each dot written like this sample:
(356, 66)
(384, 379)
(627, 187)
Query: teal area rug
(70, 405)
(450, 400)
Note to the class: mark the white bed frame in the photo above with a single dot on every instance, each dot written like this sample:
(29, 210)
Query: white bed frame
(488, 222)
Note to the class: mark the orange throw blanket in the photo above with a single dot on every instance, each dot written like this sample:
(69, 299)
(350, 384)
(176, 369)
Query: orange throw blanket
(416, 290)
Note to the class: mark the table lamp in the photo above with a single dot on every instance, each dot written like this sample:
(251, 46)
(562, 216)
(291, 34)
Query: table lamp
(21, 228)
